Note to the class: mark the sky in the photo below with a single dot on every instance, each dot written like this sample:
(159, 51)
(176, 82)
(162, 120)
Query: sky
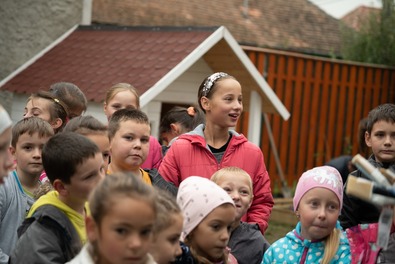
(339, 8)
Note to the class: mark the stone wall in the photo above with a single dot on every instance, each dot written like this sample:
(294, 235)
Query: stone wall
(27, 27)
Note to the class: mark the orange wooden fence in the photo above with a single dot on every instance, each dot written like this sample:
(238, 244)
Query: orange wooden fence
(326, 98)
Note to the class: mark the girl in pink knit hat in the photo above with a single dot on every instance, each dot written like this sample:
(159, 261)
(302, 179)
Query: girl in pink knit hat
(209, 213)
(318, 237)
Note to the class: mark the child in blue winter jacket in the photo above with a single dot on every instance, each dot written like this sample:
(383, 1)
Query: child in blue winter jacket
(318, 237)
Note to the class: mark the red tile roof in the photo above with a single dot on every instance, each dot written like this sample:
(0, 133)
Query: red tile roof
(296, 25)
(96, 57)
(356, 17)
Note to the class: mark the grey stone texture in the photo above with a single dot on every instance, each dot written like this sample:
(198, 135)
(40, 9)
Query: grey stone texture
(27, 27)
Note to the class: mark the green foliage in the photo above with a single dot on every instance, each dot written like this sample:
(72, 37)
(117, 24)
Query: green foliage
(374, 41)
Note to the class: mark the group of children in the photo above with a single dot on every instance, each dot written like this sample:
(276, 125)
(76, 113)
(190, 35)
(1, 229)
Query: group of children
(139, 214)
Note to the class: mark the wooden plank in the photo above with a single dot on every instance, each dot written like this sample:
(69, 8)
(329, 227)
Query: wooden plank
(378, 86)
(264, 137)
(295, 122)
(323, 113)
(342, 108)
(352, 103)
(314, 122)
(355, 118)
(385, 87)
(369, 86)
(349, 109)
(305, 117)
(288, 92)
(332, 111)
(276, 119)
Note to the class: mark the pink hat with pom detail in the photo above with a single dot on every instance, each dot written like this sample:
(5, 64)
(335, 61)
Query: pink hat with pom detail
(323, 177)
(198, 197)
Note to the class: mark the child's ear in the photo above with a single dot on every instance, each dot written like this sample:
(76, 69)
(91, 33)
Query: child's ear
(205, 102)
(297, 214)
(249, 205)
(174, 128)
(12, 150)
(60, 187)
(91, 229)
(367, 139)
(56, 123)
(105, 108)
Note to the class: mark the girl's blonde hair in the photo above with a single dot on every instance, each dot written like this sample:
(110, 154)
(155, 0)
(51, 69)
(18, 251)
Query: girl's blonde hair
(120, 87)
(331, 246)
(166, 208)
(232, 170)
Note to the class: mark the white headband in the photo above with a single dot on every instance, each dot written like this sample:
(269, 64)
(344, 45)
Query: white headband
(211, 80)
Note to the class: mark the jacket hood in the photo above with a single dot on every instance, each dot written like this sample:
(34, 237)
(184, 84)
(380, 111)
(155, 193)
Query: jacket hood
(196, 136)
(52, 198)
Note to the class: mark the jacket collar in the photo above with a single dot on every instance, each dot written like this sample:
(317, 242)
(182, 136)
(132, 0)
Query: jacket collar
(196, 136)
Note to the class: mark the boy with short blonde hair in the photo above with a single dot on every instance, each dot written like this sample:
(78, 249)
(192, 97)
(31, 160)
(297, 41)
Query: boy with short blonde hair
(16, 195)
(246, 241)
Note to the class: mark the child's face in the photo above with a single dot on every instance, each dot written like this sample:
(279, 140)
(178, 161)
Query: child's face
(6, 161)
(121, 100)
(27, 154)
(103, 143)
(211, 236)
(86, 177)
(319, 210)
(225, 106)
(382, 141)
(124, 235)
(166, 246)
(238, 187)
(130, 145)
(38, 107)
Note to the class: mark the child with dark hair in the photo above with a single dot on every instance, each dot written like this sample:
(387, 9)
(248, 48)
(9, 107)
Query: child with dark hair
(380, 138)
(54, 230)
(177, 121)
(72, 96)
(93, 129)
(121, 226)
(129, 132)
(16, 195)
(46, 106)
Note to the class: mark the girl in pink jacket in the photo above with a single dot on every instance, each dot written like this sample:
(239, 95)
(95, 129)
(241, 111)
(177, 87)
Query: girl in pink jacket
(213, 146)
